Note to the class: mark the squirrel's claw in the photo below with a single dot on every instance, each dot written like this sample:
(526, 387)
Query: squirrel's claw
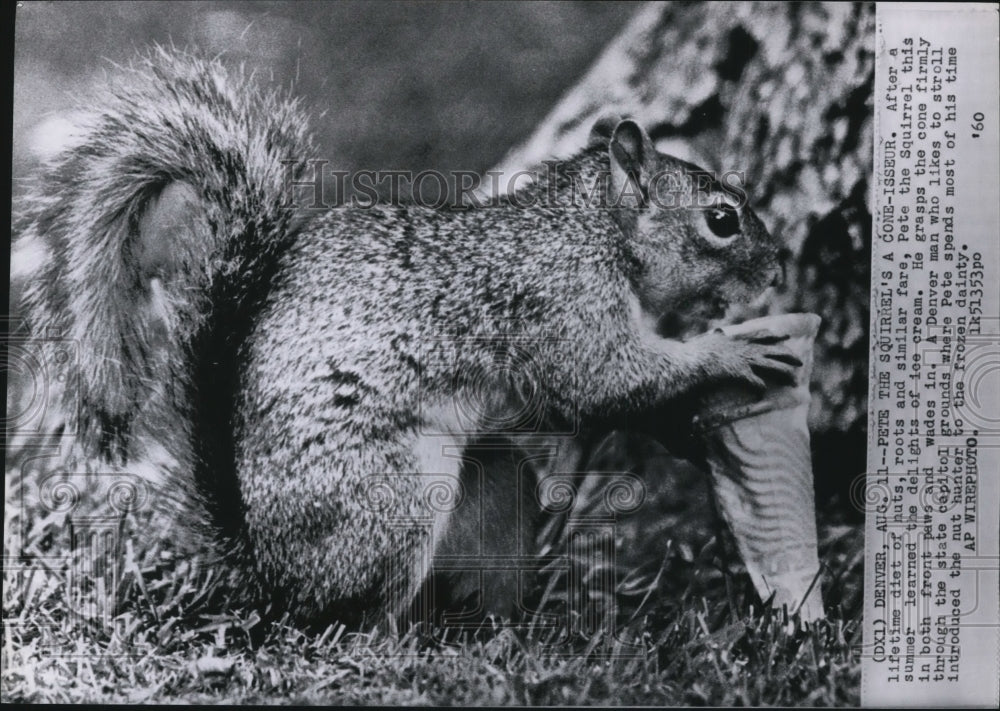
(778, 367)
(786, 358)
(764, 338)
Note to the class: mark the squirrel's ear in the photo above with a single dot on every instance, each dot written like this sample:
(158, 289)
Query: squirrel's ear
(603, 129)
(631, 151)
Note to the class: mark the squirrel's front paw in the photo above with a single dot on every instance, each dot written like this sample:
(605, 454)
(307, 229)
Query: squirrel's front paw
(756, 358)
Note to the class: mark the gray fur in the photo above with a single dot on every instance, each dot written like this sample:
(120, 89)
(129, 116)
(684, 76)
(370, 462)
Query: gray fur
(352, 329)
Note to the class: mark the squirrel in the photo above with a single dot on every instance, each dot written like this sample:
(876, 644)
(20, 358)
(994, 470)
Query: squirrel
(306, 377)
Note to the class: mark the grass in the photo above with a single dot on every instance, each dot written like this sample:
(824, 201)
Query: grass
(698, 634)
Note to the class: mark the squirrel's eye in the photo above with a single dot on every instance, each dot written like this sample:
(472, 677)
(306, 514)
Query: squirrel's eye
(723, 220)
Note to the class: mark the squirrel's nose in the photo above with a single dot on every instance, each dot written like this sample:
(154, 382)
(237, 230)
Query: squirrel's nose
(781, 275)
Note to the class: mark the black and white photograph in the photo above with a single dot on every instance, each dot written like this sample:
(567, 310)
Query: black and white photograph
(502, 353)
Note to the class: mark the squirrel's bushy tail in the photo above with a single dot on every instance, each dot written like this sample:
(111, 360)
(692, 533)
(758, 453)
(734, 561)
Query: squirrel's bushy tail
(158, 220)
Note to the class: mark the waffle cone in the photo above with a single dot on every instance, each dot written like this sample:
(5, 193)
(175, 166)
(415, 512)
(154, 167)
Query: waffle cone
(757, 450)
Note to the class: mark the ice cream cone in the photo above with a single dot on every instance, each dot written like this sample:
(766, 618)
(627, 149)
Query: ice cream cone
(757, 450)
